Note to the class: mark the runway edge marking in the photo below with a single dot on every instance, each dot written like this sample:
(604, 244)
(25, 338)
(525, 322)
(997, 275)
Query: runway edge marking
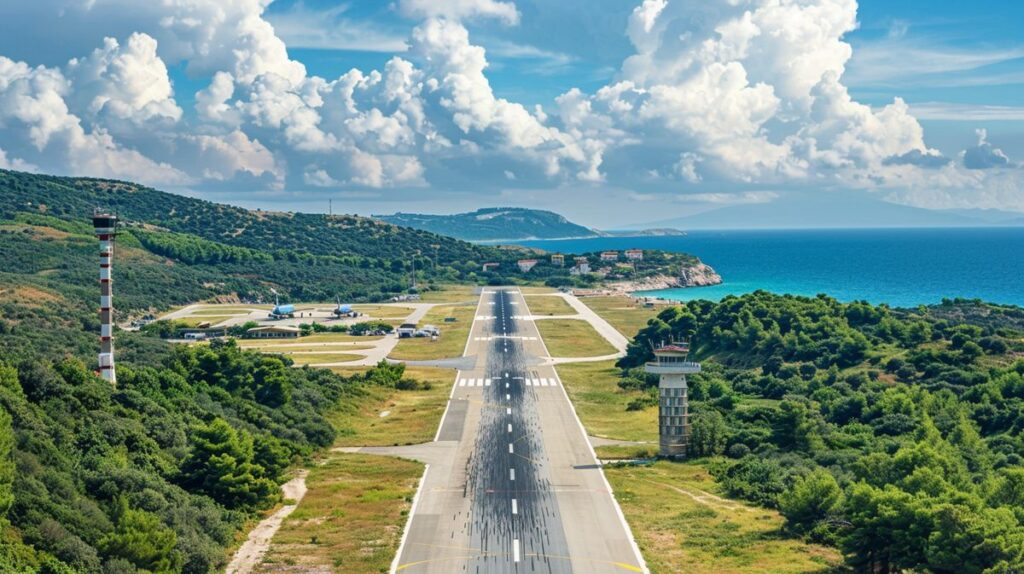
(593, 453)
(408, 522)
(419, 487)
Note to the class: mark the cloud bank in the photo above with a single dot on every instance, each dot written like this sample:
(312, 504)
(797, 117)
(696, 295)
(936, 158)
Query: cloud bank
(719, 93)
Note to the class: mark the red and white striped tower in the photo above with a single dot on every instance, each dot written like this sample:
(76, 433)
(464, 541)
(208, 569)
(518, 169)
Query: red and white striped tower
(106, 230)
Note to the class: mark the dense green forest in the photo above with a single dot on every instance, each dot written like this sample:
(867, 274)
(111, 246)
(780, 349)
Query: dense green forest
(892, 434)
(159, 474)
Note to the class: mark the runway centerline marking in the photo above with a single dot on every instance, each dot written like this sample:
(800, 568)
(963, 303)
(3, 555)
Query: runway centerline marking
(515, 507)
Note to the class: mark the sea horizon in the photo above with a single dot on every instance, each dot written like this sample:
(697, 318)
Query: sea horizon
(901, 267)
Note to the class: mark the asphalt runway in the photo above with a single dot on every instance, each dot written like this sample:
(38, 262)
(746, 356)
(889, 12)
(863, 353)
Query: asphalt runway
(517, 488)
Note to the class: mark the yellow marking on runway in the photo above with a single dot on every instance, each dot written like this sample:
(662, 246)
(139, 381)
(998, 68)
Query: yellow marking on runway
(476, 553)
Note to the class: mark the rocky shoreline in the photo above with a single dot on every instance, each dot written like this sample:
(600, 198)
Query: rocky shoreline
(699, 275)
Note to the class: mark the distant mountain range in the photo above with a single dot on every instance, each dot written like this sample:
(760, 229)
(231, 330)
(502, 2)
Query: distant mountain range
(836, 210)
(506, 224)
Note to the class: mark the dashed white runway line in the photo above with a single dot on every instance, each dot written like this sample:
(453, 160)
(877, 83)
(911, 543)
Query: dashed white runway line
(508, 410)
(515, 550)
(510, 450)
(511, 474)
(515, 507)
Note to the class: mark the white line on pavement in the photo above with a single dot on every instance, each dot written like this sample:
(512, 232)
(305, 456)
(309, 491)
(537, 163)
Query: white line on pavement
(515, 550)
(515, 507)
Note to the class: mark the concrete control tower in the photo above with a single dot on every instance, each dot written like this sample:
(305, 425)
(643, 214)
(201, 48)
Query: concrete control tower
(673, 403)
(105, 225)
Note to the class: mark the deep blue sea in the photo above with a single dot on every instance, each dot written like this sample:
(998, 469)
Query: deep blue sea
(901, 267)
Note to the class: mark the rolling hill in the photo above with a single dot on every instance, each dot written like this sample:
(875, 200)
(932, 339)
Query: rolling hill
(495, 224)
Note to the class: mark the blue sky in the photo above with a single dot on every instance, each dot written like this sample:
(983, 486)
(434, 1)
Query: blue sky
(595, 108)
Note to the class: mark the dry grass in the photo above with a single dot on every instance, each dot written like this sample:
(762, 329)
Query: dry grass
(536, 290)
(452, 341)
(450, 294)
(383, 311)
(626, 314)
(352, 516)
(299, 348)
(548, 305)
(27, 295)
(682, 525)
(573, 338)
(413, 416)
(601, 404)
(323, 359)
(350, 519)
(196, 320)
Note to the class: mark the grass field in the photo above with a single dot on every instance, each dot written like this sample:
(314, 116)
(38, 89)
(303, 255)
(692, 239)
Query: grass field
(601, 404)
(352, 516)
(536, 290)
(624, 313)
(383, 311)
(573, 338)
(306, 341)
(317, 348)
(321, 358)
(452, 341)
(350, 519)
(196, 320)
(548, 305)
(450, 294)
(413, 416)
(681, 525)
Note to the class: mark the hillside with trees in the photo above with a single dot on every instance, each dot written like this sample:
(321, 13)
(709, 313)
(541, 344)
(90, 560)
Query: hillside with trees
(306, 256)
(894, 435)
(494, 224)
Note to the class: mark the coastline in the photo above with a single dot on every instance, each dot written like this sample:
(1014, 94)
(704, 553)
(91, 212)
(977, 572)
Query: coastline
(700, 275)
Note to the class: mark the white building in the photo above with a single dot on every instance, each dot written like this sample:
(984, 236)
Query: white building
(526, 264)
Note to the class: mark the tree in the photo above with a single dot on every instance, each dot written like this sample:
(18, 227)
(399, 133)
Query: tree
(708, 433)
(221, 465)
(142, 539)
(810, 500)
(888, 529)
(7, 469)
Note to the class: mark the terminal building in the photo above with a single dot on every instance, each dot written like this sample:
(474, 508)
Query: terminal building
(672, 366)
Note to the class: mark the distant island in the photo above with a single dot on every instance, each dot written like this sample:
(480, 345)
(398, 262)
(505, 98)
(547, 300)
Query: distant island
(509, 224)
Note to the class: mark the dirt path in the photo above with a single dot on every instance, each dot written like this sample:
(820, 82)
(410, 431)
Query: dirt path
(250, 554)
(705, 498)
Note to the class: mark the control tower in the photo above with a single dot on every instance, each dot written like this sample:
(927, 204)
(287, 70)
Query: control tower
(673, 404)
(105, 225)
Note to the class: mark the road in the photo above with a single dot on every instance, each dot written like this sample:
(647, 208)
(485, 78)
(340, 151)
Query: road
(512, 485)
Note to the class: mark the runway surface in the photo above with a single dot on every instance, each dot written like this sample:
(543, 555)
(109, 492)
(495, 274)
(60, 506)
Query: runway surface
(513, 485)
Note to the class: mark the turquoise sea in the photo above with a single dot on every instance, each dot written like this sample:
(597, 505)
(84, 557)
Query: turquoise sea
(901, 267)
